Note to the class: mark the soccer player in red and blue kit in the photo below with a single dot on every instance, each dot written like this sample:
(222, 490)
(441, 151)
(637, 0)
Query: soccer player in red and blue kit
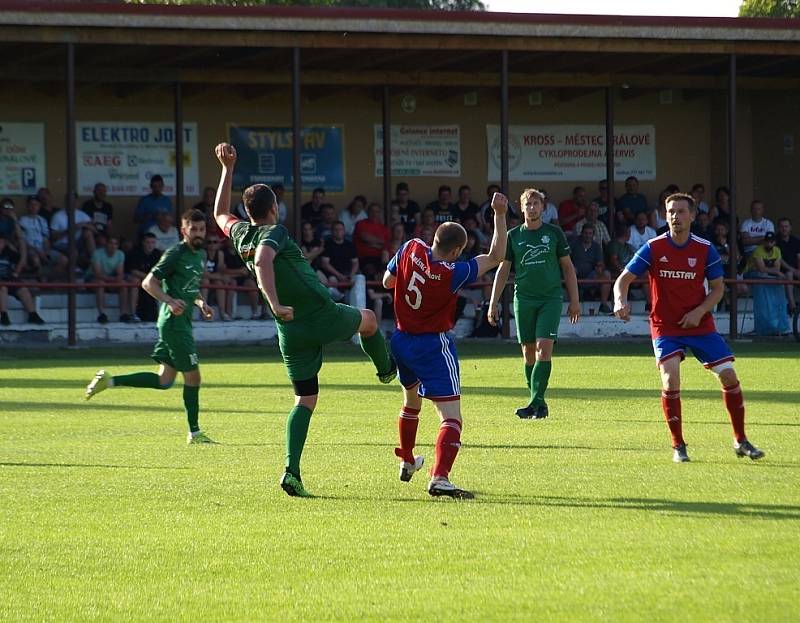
(425, 281)
(677, 263)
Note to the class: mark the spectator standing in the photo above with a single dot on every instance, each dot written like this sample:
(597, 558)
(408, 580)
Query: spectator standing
(443, 209)
(11, 264)
(632, 202)
(602, 202)
(138, 263)
(371, 238)
(641, 232)
(165, 232)
(756, 227)
(150, 205)
(99, 210)
(407, 209)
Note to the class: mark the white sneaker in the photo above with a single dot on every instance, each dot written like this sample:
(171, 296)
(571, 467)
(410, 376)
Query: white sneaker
(226, 317)
(407, 470)
(440, 486)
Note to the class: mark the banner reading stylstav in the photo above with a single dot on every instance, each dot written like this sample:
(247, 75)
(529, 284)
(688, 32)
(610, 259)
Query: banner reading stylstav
(124, 155)
(265, 156)
(22, 158)
(572, 153)
(421, 150)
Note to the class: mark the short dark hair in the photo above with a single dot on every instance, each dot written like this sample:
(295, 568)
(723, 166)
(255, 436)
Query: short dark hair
(156, 178)
(192, 216)
(681, 197)
(148, 235)
(318, 189)
(400, 186)
(449, 236)
(698, 186)
(278, 187)
(631, 177)
(258, 199)
(463, 187)
(784, 218)
(444, 187)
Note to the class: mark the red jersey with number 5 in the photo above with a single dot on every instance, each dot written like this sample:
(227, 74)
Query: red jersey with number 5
(425, 291)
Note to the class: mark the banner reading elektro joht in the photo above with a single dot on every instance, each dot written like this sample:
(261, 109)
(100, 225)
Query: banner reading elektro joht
(572, 153)
(421, 150)
(22, 168)
(124, 155)
(265, 156)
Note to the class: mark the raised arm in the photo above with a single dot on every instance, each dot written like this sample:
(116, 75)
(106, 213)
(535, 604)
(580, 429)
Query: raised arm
(497, 250)
(226, 154)
(265, 273)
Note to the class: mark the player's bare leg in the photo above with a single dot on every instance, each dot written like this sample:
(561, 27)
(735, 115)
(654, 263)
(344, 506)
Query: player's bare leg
(448, 444)
(407, 424)
(670, 370)
(538, 366)
(734, 404)
(373, 344)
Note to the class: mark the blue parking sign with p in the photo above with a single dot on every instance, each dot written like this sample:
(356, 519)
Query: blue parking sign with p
(28, 179)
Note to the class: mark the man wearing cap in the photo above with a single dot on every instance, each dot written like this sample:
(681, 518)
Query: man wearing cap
(9, 227)
(765, 263)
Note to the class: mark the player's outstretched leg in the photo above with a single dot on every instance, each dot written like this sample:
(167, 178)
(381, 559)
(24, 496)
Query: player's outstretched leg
(373, 344)
(734, 403)
(448, 444)
(407, 424)
(102, 381)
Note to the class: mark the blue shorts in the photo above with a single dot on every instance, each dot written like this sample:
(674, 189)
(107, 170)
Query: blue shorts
(709, 349)
(428, 359)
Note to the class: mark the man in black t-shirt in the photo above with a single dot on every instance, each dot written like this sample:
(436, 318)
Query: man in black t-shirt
(138, 263)
(99, 210)
(339, 259)
(407, 209)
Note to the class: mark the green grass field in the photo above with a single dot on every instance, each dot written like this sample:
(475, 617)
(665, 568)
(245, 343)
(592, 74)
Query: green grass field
(107, 514)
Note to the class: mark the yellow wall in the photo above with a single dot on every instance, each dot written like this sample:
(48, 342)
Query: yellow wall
(690, 134)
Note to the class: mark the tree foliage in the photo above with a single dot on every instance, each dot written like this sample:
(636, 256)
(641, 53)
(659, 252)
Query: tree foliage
(441, 5)
(769, 8)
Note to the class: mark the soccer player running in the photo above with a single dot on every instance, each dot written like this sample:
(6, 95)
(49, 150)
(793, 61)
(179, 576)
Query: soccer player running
(305, 315)
(175, 282)
(677, 263)
(539, 253)
(425, 282)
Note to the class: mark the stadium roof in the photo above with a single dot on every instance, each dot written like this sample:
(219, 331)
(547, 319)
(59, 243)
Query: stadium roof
(124, 43)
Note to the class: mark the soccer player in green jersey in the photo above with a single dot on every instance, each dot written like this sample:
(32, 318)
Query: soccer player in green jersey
(305, 315)
(175, 281)
(539, 254)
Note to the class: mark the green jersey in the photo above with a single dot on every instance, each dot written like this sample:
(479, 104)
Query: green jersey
(535, 255)
(179, 270)
(295, 281)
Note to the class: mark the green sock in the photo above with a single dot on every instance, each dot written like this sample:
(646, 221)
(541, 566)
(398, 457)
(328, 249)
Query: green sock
(138, 379)
(296, 430)
(528, 371)
(539, 379)
(375, 348)
(191, 400)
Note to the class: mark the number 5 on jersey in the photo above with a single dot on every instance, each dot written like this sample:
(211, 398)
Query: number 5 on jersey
(412, 287)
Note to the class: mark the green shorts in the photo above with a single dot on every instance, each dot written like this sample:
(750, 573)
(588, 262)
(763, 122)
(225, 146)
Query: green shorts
(301, 341)
(538, 319)
(176, 349)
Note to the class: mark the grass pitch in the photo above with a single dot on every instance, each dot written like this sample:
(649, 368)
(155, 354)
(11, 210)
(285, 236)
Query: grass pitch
(107, 514)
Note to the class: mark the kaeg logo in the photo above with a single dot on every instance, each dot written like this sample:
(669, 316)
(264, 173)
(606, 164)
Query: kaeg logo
(102, 160)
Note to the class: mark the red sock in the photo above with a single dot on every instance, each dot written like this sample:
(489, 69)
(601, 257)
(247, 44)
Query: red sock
(671, 404)
(734, 403)
(407, 424)
(447, 445)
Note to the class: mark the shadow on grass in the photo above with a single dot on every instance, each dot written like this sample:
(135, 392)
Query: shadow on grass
(23, 464)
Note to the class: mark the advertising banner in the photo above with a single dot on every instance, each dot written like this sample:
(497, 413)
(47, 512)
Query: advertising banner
(421, 150)
(572, 153)
(265, 157)
(22, 158)
(124, 155)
